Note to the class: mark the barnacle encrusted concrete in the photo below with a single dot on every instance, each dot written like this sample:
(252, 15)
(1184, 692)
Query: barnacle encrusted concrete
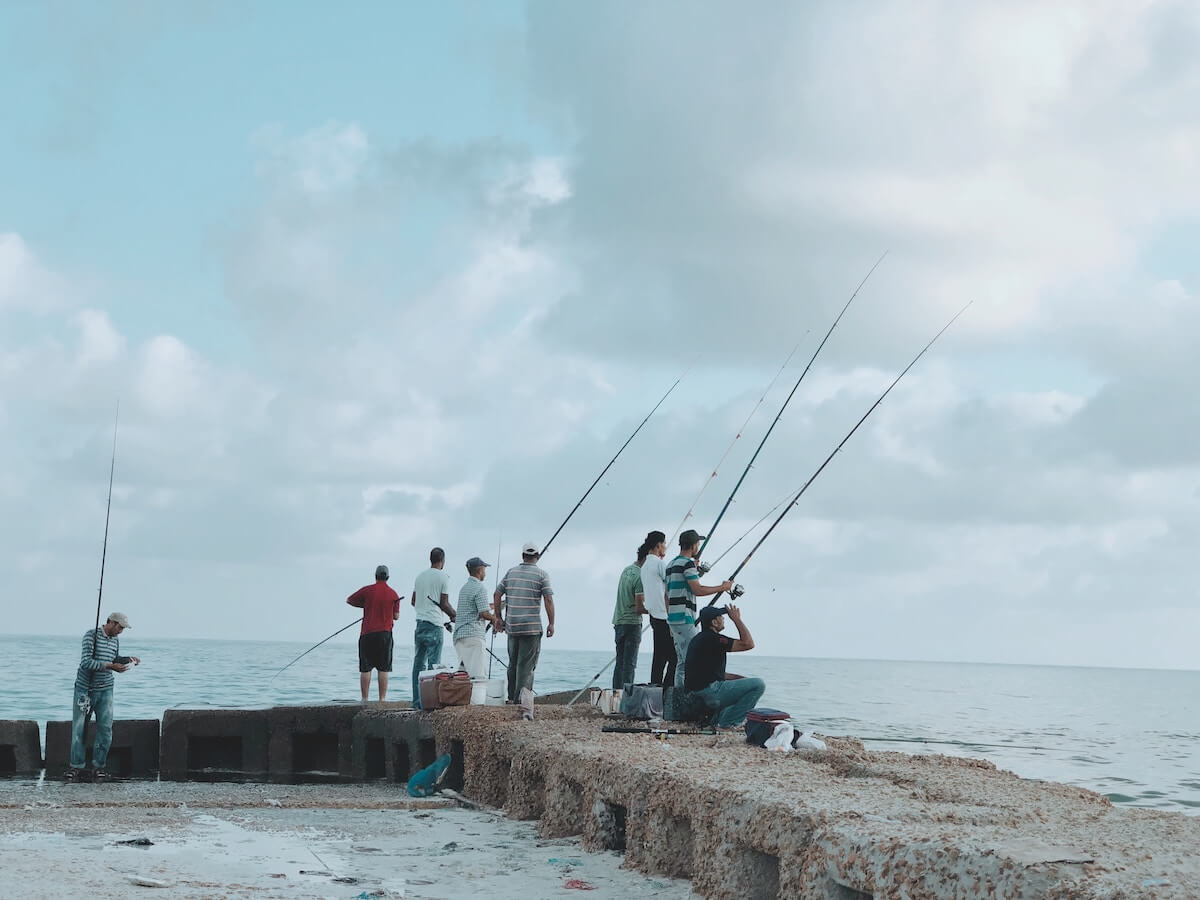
(740, 821)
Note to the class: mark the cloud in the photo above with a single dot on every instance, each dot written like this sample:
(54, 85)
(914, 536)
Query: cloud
(448, 338)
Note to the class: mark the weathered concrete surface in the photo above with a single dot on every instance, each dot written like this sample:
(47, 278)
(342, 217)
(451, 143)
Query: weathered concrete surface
(214, 745)
(134, 750)
(311, 743)
(20, 747)
(843, 823)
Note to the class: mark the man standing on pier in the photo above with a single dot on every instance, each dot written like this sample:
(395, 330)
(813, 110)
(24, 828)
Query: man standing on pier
(683, 587)
(381, 608)
(627, 621)
(100, 657)
(654, 597)
(431, 600)
(526, 586)
(473, 616)
(729, 697)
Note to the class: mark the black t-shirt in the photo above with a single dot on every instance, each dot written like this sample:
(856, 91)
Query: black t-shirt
(705, 661)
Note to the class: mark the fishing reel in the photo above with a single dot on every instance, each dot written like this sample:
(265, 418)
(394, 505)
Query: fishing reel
(704, 568)
(736, 591)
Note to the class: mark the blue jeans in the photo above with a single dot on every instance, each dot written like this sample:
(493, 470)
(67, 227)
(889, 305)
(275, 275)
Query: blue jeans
(731, 700)
(682, 635)
(629, 638)
(100, 702)
(427, 653)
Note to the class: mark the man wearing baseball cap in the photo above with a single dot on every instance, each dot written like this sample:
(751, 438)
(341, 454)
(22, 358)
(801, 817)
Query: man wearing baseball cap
(100, 657)
(526, 587)
(729, 697)
(381, 608)
(473, 614)
(683, 587)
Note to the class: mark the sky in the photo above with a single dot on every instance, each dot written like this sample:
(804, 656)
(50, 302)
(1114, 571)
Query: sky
(372, 279)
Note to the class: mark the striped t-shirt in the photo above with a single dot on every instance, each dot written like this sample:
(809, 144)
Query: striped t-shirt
(472, 600)
(523, 587)
(92, 673)
(682, 575)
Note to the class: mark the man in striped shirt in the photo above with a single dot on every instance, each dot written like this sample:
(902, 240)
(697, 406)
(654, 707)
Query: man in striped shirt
(683, 587)
(473, 615)
(526, 587)
(100, 656)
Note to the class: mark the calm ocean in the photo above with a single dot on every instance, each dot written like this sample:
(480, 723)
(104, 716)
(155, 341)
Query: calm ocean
(1133, 734)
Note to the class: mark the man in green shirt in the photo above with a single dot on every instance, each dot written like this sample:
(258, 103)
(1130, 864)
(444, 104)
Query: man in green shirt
(627, 622)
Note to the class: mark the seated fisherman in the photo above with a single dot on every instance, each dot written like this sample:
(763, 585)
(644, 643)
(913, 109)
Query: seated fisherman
(729, 697)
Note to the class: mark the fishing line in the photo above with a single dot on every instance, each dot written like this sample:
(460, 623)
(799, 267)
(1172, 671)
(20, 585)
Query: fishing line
(779, 415)
(712, 477)
(737, 591)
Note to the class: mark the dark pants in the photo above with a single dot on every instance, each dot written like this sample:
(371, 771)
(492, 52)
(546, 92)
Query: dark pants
(628, 638)
(523, 652)
(662, 668)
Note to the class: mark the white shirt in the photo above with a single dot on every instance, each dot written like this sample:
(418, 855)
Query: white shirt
(429, 587)
(654, 586)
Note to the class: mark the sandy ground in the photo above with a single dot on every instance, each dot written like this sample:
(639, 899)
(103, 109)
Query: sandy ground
(224, 840)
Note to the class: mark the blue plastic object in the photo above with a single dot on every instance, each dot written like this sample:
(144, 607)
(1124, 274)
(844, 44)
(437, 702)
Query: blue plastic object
(424, 783)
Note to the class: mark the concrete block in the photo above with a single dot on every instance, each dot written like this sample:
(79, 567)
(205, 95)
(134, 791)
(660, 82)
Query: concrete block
(20, 747)
(133, 754)
(214, 745)
(311, 743)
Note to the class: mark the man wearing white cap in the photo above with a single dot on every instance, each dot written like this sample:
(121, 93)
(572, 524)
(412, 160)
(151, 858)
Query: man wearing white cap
(100, 657)
(473, 616)
(526, 586)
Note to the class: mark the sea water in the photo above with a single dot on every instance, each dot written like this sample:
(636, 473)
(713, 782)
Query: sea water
(1132, 734)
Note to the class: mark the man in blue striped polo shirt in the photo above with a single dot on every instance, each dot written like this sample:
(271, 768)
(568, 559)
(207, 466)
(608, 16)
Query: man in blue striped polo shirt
(100, 656)
(526, 587)
(683, 587)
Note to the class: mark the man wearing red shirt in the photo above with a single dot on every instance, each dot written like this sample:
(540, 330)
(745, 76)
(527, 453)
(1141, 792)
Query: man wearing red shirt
(381, 607)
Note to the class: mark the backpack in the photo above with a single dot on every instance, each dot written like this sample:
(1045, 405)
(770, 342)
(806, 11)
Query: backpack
(642, 701)
(761, 722)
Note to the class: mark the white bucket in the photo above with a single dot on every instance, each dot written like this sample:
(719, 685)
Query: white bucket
(479, 689)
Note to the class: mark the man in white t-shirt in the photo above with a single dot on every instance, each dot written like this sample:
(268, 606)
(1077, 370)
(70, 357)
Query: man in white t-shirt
(431, 601)
(654, 596)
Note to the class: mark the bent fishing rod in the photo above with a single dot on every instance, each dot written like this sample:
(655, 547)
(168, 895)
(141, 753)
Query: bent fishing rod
(552, 537)
(712, 529)
(712, 476)
(737, 589)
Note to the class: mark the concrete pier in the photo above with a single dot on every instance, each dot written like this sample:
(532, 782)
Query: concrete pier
(20, 747)
(133, 753)
(738, 821)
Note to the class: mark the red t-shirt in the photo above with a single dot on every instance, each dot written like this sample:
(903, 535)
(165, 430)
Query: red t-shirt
(380, 606)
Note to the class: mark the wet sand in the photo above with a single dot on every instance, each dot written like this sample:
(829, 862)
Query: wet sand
(253, 840)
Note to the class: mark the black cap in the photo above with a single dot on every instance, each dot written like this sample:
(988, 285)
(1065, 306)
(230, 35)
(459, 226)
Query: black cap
(475, 562)
(690, 537)
(711, 612)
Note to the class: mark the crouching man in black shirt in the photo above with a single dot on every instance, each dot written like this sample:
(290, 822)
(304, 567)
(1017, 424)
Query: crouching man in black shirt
(730, 697)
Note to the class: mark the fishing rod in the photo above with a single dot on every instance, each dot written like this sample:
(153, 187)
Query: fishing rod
(104, 547)
(916, 740)
(779, 415)
(610, 463)
(496, 587)
(314, 647)
(702, 567)
(737, 589)
(728, 449)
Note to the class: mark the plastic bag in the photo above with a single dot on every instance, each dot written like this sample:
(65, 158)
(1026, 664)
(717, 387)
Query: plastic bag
(781, 738)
